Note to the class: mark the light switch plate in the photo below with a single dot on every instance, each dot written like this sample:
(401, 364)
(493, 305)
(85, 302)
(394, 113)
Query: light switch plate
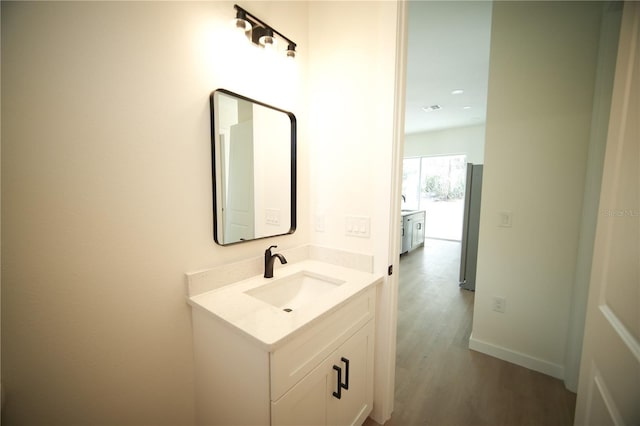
(272, 216)
(505, 219)
(358, 226)
(319, 223)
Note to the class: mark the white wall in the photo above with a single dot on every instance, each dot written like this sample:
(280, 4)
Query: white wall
(351, 133)
(541, 86)
(455, 141)
(351, 121)
(272, 172)
(106, 197)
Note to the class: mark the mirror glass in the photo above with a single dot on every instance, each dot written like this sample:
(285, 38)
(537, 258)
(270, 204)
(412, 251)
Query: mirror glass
(253, 148)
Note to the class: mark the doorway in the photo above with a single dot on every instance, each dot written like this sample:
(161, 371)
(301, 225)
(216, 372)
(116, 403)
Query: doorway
(445, 110)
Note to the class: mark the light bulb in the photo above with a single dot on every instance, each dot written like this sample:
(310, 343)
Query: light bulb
(291, 51)
(242, 25)
(267, 40)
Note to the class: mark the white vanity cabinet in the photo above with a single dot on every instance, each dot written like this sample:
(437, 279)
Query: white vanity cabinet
(291, 382)
(325, 398)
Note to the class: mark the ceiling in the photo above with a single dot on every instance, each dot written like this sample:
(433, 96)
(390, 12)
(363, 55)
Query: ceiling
(448, 50)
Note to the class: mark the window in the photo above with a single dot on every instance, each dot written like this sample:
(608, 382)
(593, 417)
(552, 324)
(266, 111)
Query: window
(436, 185)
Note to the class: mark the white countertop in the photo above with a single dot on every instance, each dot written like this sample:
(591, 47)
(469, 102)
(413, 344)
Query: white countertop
(270, 326)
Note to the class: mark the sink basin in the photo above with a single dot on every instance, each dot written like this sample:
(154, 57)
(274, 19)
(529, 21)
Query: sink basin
(292, 292)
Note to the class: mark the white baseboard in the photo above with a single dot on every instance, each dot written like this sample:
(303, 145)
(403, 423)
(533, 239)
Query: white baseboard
(518, 358)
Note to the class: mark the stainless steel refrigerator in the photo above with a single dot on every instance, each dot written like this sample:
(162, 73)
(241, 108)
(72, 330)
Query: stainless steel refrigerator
(470, 227)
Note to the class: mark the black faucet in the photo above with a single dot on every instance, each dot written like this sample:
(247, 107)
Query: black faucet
(269, 260)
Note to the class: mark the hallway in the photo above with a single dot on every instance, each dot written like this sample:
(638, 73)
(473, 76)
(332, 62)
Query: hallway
(439, 381)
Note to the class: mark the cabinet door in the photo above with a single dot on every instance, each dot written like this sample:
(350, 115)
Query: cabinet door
(407, 229)
(355, 403)
(312, 401)
(306, 402)
(418, 233)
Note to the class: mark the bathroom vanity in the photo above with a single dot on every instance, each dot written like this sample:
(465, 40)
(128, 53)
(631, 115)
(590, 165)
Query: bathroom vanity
(289, 350)
(292, 345)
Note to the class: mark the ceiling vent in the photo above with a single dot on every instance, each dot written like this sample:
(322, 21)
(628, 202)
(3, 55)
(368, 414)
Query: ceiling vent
(431, 108)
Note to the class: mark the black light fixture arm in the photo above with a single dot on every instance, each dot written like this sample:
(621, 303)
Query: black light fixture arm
(264, 24)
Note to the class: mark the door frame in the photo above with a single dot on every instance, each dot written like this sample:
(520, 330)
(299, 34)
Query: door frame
(387, 311)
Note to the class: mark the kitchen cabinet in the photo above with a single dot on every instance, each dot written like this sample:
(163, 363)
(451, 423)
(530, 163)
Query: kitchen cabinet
(295, 382)
(412, 230)
(417, 233)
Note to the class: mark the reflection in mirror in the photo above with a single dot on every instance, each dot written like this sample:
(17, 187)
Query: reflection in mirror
(253, 147)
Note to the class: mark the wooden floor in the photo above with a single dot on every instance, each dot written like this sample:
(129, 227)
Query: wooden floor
(439, 380)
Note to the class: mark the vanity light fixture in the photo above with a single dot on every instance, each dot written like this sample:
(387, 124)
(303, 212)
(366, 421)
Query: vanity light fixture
(259, 32)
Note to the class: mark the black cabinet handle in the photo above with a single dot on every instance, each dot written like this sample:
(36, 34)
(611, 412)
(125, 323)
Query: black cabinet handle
(338, 394)
(345, 385)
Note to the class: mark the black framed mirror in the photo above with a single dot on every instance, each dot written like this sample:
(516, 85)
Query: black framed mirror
(253, 157)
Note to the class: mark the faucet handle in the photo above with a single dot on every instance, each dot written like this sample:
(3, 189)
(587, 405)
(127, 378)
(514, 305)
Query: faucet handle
(268, 251)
